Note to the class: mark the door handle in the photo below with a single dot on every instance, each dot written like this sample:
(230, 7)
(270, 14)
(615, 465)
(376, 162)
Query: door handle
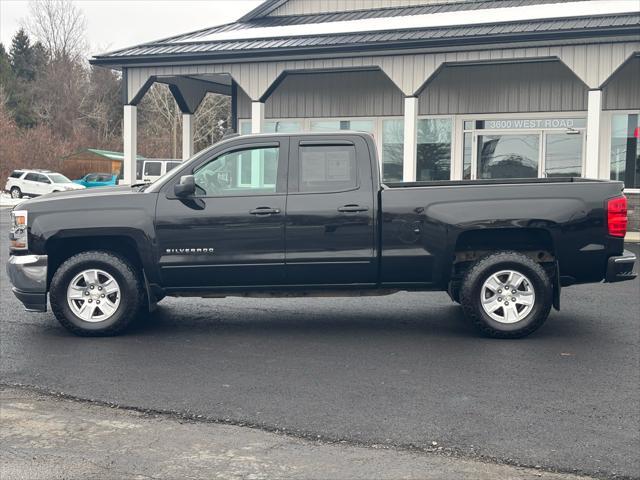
(264, 211)
(352, 208)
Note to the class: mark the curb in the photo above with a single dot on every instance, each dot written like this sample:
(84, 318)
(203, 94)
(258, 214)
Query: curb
(632, 237)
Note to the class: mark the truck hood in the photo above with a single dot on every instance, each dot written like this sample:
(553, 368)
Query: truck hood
(93, 195)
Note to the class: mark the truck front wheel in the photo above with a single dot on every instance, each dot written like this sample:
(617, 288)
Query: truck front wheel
(96, 293)
(506, 295)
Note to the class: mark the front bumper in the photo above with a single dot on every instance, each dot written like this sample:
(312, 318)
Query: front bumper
(620, 268)
(28, 274)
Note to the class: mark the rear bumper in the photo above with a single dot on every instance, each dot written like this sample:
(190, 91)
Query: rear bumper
(28, 274)
(620, 268)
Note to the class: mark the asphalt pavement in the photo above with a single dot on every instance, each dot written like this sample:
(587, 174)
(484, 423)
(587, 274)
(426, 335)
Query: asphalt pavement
(402, 371)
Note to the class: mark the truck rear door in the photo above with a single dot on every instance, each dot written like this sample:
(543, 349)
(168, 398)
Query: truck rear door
(330, 216)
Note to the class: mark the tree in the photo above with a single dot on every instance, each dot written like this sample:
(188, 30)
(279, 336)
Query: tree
(102, 107)
(27, 63)
(22, 57)
(6, 72)
(60, 26)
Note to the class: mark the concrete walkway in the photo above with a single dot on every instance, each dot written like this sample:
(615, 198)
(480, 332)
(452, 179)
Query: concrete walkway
(46, 437)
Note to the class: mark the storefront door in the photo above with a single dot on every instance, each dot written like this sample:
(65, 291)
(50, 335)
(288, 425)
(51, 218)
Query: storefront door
(512, 149)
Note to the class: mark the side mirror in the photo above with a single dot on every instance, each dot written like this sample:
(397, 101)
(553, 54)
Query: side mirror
(186, 187)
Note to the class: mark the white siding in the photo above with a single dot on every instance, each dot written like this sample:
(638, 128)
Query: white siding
(303, 7)
(504, 88)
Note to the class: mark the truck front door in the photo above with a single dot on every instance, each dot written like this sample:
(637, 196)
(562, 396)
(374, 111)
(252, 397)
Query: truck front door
(231, 232)
(330, 232)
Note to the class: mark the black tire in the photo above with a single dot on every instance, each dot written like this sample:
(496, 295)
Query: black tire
(132, 300)
(15, 192)
(471, 294)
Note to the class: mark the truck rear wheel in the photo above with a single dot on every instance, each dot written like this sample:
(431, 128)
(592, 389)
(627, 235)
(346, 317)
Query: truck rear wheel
(96, 293)
(506, 295)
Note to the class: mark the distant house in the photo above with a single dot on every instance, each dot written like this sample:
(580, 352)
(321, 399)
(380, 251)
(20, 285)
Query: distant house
(93, 160)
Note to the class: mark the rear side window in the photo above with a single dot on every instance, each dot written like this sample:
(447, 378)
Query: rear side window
(104, 178)
(16, 174)
(92, 178)
(327, 168)
(32, 177)
(152, 168)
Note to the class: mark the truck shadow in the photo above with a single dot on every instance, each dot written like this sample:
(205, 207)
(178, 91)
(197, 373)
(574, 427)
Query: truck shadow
(273, 319)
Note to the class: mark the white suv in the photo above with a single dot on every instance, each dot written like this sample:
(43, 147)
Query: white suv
(37, 182)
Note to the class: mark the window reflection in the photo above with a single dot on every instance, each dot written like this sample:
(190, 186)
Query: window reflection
(392, 150)
(434, 149)
(625, 153)
(508, 156)
(563, 155)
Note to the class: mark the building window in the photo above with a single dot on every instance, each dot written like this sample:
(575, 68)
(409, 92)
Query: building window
(467, 160)
(625, 154)
(273, 126)
(392, 149)
(434, 149)
(508, 156)
(563, 154)
(335, 125)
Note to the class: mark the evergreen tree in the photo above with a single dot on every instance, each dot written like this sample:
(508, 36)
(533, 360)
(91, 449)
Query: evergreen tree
(22, 57)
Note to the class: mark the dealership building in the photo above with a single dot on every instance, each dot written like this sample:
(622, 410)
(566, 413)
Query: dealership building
(458, 89)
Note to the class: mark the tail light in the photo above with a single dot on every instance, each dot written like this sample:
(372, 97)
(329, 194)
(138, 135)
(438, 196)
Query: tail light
(617, 216)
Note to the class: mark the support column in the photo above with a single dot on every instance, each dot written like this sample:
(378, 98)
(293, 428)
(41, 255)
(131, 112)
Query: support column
(410, 139)
(257, 117)
(188, 125)
(594, 116)
(130, 143)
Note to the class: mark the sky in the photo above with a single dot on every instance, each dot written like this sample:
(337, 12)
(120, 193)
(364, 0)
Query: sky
(114, 24)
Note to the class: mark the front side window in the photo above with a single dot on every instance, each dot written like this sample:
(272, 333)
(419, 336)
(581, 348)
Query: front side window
(243, 172)
(625, 151)
(330, 168)
(43, 179)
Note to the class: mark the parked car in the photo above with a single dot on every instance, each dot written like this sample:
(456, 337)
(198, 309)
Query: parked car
(306, 214)
(153, 169)
(91, 180)
(37, 182)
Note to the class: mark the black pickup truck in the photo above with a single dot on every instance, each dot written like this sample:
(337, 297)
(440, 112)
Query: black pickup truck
(307, 214)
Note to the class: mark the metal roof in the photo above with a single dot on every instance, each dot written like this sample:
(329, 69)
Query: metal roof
(195, 46)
